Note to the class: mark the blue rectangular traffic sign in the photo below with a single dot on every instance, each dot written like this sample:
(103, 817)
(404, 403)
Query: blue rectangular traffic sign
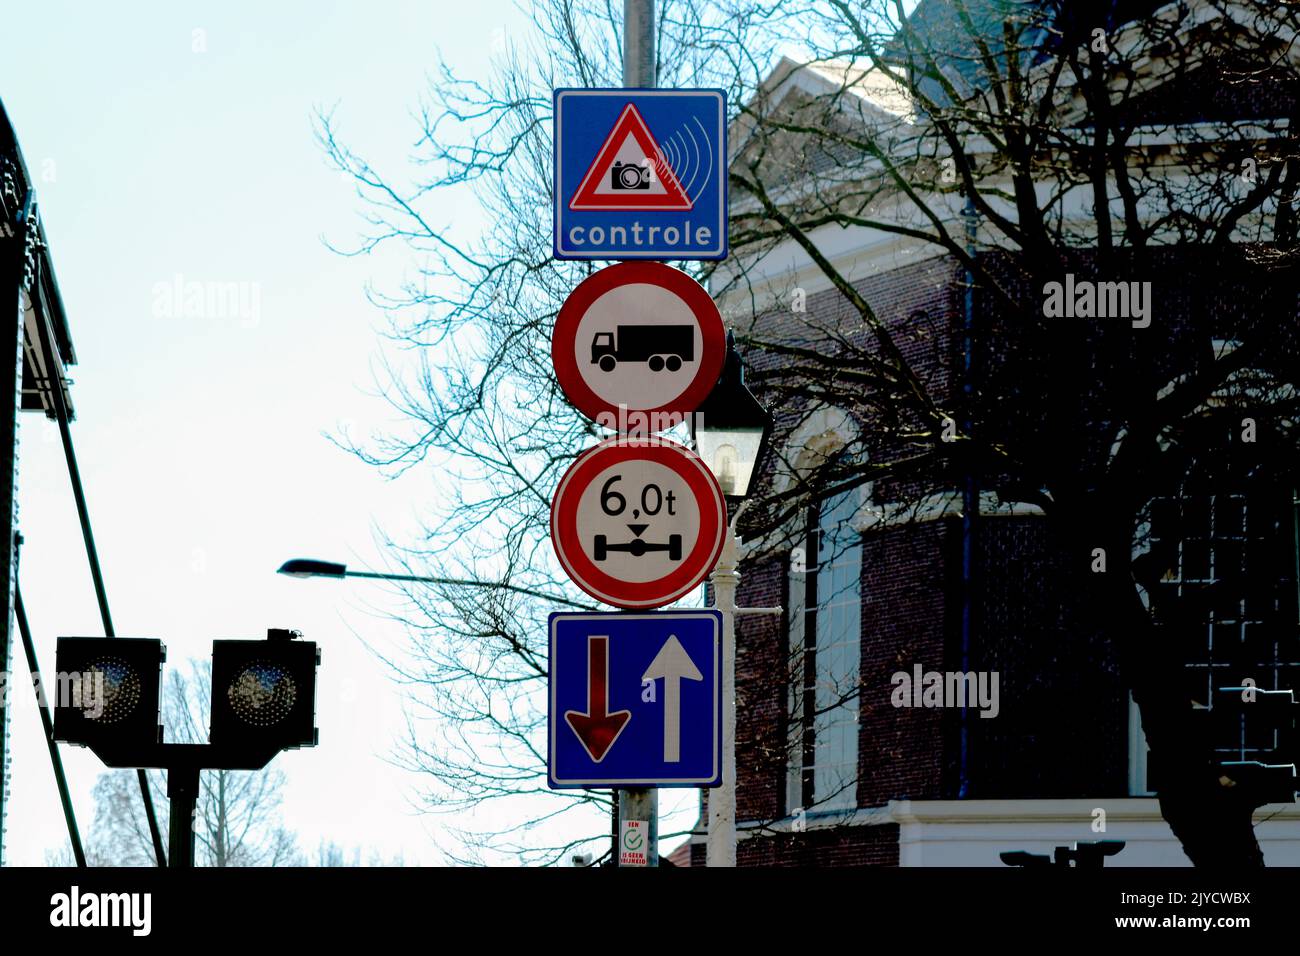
(636, 699)
(640, 174)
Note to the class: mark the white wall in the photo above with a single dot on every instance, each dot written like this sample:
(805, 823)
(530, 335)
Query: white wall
(974, 832)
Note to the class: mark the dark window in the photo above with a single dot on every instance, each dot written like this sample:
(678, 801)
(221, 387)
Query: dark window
(1228, 592)
(825, 650)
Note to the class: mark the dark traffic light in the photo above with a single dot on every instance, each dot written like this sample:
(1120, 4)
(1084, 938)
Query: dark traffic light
(107, 690)
(263, 701)
(264, 692)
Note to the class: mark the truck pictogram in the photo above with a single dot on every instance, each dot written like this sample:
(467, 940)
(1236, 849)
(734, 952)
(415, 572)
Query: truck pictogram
(660, 346)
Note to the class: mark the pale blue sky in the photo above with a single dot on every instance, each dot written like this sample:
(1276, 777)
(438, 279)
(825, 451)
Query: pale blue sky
(200, 436)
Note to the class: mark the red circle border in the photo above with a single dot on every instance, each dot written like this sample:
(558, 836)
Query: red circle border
(644, 594)
(713, 338)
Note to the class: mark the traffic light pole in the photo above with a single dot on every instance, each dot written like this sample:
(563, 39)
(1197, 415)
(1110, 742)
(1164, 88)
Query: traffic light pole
(639, 71)
(183, 764)
(183, 791)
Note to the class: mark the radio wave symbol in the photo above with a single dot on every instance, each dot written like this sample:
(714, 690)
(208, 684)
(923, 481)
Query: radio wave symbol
(684, 156)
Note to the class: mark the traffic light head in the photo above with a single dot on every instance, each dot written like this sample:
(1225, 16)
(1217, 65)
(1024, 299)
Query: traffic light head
(106, 692)
(264, 692)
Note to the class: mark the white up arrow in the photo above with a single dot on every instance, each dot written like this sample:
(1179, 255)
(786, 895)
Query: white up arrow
(674, 665)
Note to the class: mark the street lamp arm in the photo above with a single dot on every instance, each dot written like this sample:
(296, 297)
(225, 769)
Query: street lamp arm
(313, 568)
(419, 579)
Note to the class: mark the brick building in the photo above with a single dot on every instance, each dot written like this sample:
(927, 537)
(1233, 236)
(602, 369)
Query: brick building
(840, 760)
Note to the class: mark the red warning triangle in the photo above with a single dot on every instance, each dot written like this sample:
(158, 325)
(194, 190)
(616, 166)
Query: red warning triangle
(630, 172)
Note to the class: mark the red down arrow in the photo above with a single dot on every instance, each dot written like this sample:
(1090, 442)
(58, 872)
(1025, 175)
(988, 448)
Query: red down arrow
(597, 729)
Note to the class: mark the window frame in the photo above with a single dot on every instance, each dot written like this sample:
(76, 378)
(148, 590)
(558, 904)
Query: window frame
(804, 772)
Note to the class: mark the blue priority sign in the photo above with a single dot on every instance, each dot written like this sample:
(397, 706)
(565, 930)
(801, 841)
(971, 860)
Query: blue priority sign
(640, 174)
(635, 699)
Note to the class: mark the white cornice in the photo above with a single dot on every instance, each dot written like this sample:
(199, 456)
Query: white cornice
(935, 507)
(931, 812)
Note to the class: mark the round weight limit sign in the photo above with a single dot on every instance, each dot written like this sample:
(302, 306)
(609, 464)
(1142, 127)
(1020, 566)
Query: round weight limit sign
(638, 524)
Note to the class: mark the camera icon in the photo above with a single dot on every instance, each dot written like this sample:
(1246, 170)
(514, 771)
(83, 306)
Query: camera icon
(630, 175)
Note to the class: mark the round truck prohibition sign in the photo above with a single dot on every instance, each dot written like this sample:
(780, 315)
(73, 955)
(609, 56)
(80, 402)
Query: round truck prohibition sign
(640, 335)
(638, 523)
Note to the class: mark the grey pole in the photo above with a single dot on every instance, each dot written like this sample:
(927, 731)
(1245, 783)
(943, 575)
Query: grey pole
(721, 846)
(639, 70)
(639, 65)
(722, 800)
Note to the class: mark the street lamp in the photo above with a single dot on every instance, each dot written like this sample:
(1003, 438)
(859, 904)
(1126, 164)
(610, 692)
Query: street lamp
(730, 431)
(311, 568)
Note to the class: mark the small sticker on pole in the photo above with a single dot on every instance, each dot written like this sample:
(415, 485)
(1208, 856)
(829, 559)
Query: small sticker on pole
(632, 847)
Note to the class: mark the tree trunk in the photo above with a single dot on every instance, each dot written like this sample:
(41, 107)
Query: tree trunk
(1211, 816)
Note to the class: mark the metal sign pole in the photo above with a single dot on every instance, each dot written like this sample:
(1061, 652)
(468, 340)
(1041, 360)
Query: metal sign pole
(639, 43)
(639, 70)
